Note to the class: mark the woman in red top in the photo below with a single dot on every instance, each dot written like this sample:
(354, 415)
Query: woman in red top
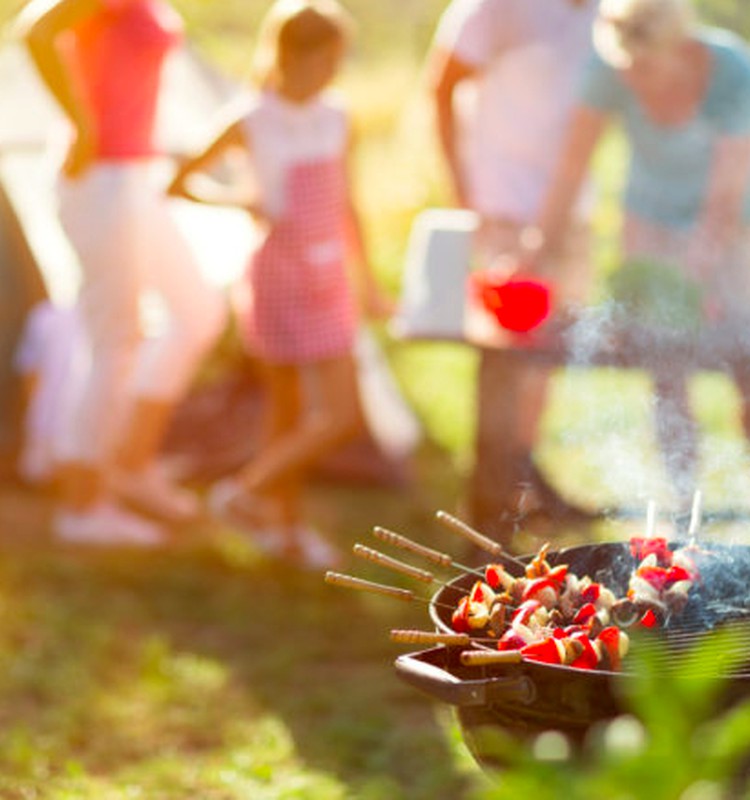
(102, 61)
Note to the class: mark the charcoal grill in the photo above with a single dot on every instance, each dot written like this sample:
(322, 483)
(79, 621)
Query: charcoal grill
(523, 699)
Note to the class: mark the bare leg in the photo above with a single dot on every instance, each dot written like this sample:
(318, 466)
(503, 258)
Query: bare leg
(533, 392)
(282, 415)
(144, 433)
(310, 411)
(80, 485)
(334, 417)
(531, 491)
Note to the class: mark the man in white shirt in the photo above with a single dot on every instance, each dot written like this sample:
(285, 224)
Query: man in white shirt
(503, 75)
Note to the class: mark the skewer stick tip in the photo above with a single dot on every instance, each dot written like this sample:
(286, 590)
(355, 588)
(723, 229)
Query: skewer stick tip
(695, 514)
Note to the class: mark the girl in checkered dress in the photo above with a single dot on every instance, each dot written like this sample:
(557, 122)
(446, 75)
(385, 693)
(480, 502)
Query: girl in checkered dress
(296, 305)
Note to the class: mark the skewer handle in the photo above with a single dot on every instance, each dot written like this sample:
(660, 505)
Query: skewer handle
(397, 540)
(477, 658)
(392, 563)
(430, 637)
(349, 582)
(481, 541)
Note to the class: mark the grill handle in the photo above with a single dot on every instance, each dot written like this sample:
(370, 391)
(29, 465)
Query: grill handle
(440, 684)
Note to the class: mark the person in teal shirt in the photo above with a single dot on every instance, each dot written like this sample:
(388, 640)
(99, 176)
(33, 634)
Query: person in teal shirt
(681, 92)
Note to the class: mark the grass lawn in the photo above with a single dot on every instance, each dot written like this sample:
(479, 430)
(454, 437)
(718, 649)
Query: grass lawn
(207, 672)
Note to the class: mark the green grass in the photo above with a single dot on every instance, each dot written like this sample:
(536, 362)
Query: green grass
(205, 673)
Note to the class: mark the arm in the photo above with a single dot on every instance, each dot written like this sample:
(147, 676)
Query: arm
(374, 302)
(40, 25)
(722, 212)
(584, 132)
(446, 72)
(192, 182)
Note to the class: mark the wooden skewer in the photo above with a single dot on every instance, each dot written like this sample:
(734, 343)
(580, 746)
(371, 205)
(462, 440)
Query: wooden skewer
(392, 563)
(434, 556)
(475, 658)
(426, 637)
(488, 545)
(350, 582)
(430, 637)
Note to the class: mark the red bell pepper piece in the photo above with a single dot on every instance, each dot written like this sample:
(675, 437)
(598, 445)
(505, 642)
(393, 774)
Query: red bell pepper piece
(469, 615)
(545, 590)
(585, 614)
(558, 574)
(610, 639)
(492, 575)
(590, 593)
(589, 658)
(548, 651)
(676, 573)
(479, 593)
(460, 617)
(510, 640)
(641, 546)
(656, 576)
(649, 619)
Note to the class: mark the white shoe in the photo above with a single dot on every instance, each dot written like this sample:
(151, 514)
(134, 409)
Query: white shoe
(152, 491)
(106, 525)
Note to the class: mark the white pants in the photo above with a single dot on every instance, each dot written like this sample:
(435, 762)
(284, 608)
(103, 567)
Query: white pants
(128, 244)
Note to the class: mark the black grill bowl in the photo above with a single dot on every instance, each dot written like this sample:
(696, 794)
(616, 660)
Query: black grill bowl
(523, 700)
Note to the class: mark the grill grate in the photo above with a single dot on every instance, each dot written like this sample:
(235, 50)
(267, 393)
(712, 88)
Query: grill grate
(732, 659)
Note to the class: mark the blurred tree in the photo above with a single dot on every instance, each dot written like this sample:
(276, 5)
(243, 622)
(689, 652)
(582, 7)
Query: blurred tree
(226, 28)
(732, 14)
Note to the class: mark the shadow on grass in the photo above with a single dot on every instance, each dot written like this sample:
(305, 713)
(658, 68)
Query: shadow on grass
(206, 672)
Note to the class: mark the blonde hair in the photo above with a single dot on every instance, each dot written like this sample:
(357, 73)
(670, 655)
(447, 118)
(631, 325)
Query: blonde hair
(626, 28)
(295, 27)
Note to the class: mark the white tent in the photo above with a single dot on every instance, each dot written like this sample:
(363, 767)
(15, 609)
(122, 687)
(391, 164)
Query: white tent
(35, 257)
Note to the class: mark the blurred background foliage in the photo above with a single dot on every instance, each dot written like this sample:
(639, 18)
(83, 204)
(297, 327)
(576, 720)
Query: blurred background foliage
(671, 744)
(225, 28)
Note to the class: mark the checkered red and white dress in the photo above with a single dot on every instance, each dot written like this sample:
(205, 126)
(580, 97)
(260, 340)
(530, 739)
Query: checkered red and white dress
(296, 303)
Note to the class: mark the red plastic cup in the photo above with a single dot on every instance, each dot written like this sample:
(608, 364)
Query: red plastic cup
(518, 304)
